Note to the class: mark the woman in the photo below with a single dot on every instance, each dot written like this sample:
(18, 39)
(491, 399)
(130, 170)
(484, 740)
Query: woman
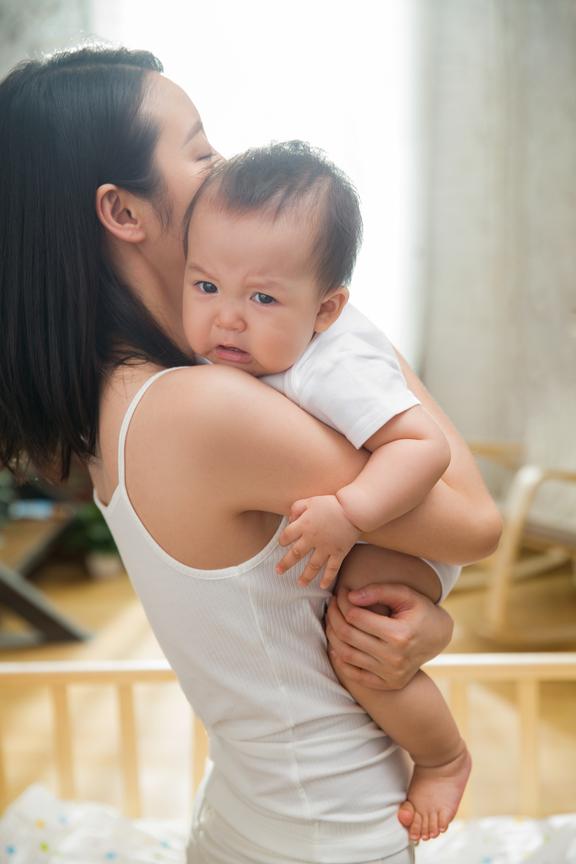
(193, 466)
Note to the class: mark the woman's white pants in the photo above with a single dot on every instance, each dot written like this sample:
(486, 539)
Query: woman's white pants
(214, 841)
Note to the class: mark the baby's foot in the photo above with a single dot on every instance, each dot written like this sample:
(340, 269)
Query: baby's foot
(433, 796)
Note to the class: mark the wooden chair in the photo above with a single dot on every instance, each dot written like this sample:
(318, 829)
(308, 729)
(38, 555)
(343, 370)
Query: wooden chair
(554, 545)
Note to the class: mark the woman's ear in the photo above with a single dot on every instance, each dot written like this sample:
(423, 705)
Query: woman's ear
(118, 211)
(330, 308)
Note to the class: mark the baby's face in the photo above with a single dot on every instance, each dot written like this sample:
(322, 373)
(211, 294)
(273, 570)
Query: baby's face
(250, 297)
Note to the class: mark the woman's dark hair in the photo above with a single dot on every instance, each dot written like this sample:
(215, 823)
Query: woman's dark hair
(280, 178)
(68, 123)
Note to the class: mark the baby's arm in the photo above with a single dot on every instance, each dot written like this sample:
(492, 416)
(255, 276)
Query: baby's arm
(409, 455)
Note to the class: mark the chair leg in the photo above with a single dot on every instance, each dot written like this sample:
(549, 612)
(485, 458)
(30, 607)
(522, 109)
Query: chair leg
(522, 492)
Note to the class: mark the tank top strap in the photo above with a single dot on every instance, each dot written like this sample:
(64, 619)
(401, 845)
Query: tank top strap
(128, 417)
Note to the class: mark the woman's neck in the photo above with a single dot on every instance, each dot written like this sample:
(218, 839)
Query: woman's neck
(158, 285)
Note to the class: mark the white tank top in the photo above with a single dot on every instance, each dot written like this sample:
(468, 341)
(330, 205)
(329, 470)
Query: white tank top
(292, 753)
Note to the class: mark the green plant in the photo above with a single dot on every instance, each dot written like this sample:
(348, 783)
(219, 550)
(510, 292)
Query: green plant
(7, 493)
(89, 532)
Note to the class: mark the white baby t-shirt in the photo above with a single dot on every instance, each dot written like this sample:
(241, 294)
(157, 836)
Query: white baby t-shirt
(348, 377)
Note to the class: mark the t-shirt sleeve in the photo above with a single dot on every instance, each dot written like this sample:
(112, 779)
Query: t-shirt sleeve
(352, 384)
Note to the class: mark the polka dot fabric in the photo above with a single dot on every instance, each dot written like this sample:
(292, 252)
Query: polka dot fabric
(39, 829)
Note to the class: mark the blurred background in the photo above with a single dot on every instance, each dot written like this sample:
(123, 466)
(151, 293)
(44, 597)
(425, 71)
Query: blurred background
(456, 120)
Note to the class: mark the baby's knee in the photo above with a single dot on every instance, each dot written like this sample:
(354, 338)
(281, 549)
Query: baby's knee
(370, 565)
(366, 565)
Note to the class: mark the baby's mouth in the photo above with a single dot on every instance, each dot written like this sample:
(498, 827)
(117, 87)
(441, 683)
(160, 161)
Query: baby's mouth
(232, 354)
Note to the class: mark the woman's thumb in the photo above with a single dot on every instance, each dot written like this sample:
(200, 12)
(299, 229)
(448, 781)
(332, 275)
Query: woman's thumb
(392, 595)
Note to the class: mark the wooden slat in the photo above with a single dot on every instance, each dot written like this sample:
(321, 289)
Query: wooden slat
(528, 704)
(506, 453)
(63, 740)
(129, 751)
(552, 666)
(459, 704)
(4, 798)
(199, 752)
(84, 672)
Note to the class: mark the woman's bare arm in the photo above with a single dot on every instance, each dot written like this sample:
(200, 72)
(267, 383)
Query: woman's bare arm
(273, 453)
(459, 510)
(224, 439)
(281, 453)
(381, 652)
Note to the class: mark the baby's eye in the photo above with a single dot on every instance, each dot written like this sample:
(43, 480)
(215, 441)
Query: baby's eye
(206, 287)
(264, 299)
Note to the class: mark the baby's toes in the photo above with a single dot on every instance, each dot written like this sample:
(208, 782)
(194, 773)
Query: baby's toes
(443, 820)
(425, 831)
(416, 827)
(406, 813)
(433, 830)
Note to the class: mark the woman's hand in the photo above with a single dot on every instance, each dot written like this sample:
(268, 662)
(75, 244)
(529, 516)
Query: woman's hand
(384, 652)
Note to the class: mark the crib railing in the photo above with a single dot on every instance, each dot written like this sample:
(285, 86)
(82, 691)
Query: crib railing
(124, 676)
(526, 672)
(460, 671)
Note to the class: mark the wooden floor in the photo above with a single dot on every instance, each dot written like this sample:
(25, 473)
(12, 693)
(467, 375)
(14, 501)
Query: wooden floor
(110, 610)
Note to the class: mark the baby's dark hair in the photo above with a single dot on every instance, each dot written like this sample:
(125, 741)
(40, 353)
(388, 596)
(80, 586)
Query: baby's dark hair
(283, 176)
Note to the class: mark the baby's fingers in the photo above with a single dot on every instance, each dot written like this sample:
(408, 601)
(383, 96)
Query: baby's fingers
(331, 571)
(290, 534)
(312, 569)
(291, 558)
(296, 527)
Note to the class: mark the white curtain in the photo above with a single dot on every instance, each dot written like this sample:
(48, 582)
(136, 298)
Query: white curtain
(500, 336)
(337, 74)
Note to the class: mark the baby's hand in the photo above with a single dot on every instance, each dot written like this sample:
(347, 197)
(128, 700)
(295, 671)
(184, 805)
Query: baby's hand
(320, 524)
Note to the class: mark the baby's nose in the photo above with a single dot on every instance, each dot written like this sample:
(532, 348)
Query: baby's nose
(230, 318)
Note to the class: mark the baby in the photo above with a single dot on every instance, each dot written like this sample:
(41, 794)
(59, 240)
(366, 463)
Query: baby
(271, 241)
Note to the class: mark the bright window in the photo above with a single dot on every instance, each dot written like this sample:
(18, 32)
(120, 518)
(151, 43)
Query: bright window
(337, 74)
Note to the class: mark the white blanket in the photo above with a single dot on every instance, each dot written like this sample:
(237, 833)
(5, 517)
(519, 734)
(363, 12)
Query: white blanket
(38, 827)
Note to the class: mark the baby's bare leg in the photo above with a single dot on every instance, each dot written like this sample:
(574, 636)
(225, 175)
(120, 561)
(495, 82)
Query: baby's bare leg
(416, 717)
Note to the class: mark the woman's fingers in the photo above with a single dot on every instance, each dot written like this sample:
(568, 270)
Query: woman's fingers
(399, 598)
(337, 625)
(351, 674)
(347, 654)
(391, 628)
(382, 627)
(363, 668)
(383, 653)
(399, 643)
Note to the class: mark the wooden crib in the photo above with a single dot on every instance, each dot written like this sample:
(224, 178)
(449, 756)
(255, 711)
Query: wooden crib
(515, 680)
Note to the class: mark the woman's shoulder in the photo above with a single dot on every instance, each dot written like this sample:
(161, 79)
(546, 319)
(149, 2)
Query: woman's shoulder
(202, 404)
(203, 392)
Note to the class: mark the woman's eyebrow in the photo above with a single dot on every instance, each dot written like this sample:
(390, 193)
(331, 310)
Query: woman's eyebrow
(196, 128)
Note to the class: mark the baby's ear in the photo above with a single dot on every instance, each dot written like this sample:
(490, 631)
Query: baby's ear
(330, 308)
